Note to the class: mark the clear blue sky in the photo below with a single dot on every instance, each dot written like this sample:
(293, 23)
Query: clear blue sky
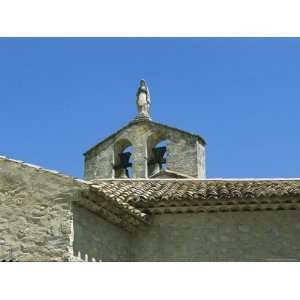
(61, 96)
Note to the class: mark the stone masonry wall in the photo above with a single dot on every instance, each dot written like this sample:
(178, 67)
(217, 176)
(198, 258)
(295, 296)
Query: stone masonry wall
(185, 154)
(95, 239)
(35, 214)
(236, 236)
(201, 161)
(40, 220)
(182, 155)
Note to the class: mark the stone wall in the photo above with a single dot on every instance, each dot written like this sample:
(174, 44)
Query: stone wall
(41, 220)
(236, 236)
(35, 214)
(95, 239)
(201, 164)
(185, 153)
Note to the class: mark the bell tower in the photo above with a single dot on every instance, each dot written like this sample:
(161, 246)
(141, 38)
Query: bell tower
(146, 149)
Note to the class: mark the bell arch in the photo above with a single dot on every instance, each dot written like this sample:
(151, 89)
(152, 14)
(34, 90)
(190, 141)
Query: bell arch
(123, 159)
(157, 152)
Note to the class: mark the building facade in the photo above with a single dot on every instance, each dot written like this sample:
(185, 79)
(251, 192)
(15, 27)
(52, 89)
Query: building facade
(145, 197)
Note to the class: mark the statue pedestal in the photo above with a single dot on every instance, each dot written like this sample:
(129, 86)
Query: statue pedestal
(142, 118)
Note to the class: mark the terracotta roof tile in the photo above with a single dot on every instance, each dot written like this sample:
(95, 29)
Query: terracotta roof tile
(146, 194)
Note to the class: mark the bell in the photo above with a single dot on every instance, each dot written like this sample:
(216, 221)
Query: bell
(159, 153)
(124, 159)
(156, 168)
(123, 173)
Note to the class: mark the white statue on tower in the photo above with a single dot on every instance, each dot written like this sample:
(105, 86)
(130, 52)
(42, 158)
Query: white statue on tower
(143, 100)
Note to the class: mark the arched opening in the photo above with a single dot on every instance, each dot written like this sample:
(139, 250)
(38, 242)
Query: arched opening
(123, 160)
(157, 146)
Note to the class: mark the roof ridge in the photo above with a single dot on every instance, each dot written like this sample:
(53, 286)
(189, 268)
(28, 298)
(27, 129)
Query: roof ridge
(196, 179)
(39, 168)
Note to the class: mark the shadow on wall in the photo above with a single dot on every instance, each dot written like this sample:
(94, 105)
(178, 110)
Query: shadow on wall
(96, 239)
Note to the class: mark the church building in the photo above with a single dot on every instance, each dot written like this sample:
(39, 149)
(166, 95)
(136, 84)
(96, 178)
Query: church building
(145, 197)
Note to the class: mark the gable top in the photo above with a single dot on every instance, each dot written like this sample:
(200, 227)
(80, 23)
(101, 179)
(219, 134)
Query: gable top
(146, 121)
(163, 174)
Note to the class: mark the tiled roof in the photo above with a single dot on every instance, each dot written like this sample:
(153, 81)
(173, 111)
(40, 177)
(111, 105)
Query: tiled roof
(116, 211)
(127, 202)
(180, 195)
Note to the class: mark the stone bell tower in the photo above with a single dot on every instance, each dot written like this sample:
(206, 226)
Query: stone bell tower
(146, 149)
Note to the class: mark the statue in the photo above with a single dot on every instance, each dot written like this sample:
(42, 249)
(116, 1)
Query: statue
(143, 100)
